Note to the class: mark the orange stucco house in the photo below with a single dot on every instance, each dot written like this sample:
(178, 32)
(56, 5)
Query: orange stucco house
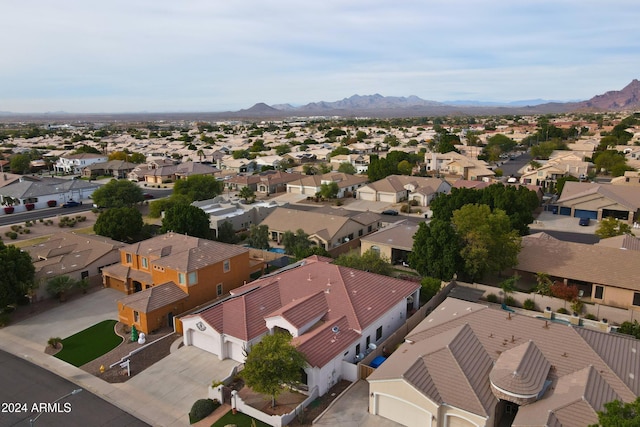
(172, 273)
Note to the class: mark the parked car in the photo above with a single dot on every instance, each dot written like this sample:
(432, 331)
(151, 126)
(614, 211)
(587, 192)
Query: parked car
(71, 204)
(148, 196)
(390, 212)
(584, 221)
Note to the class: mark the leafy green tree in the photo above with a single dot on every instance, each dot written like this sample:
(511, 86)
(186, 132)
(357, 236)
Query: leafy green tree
(490, 245)
(272, 364)
(324, 168)
(296, 243)
(619, 414)
(84, 148)
(610, 160)
(405, 168)
(329, 190)
(347, 168)
(430, 286)
(340, 151)
(17, 273)
(198, 187)
(118, 193)
(247, 194)
(20, 163)
(313, 250)
(121, 224)
(226, 233)
(258, 236)
(186, 219)
(368, 261)
(543, 284)
(436, 250)
(610, 227)
(240, 154)
(156, 207)
(630, 328)
(283, 149)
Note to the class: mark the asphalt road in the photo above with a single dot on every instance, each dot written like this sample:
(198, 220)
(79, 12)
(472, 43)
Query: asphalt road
(512, 166)
(24, 384)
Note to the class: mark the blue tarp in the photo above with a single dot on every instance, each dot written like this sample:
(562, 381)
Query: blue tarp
(377, 361)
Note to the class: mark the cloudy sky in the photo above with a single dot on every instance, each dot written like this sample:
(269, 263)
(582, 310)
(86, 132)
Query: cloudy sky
(206, 55)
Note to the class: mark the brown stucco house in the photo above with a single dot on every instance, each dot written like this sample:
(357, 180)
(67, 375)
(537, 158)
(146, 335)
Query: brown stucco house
(192, 271)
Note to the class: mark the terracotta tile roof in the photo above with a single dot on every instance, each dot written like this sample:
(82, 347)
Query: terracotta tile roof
(154, 298)
(358, 297)
(625, 241)
(586, 365)
(577, 261)
(301, 311)
(323, 344)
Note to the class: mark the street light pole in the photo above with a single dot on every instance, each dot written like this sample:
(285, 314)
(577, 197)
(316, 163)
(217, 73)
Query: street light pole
(32, 421)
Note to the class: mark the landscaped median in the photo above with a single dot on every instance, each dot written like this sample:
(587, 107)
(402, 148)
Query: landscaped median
(89, 344)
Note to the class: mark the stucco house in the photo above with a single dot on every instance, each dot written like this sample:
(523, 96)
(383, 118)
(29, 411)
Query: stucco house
(605, 275)
(394, 242)
(469, 365)
(201, 269)
(79, 256)
(335, 314)
(74, 163)
(28, 192)
(118, 169)
(598, 201)
(311, 184)
(397, 188)
(328, 229)
(240, 215)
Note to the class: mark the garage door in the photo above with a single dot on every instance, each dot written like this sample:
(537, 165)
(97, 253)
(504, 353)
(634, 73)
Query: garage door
(235, 351)
(402, 412)
(565, 211)
(581, 213)
(204, 341)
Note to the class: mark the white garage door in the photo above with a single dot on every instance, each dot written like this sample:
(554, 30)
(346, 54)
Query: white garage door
(235, 351)
(402, 412)
(364, 195)
(389, 198)
(204, 341)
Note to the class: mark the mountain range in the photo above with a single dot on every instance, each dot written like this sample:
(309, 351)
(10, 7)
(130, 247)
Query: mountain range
(393, 106)
(628, 98)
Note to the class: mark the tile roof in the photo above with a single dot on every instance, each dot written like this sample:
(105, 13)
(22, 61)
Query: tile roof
(585, 365)
(521, 370)
(154, 297)
(396, 183)
(184, 253)
(398, 235)
(625, 241)
(589, 263)
(356, 296)
(627, 196)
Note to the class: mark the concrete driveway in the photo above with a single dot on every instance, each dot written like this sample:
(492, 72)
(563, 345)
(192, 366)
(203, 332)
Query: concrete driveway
(181, 378)
(351, 410)
(69, 317)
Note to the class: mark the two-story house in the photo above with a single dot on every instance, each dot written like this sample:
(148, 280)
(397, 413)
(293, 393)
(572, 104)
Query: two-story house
(74, 163)
(171, 273)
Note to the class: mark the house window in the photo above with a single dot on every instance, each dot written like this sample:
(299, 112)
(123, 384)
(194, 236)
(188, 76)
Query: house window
(369, 229)
(219, 289)
(599, 292)
(129, 258)
(136, 317)
(379, 333)
(357, 349)
(182, 278)
(193, 278)
(145, 263)
(226, 266)
(636, 299)
(368, 340)
(360, 232)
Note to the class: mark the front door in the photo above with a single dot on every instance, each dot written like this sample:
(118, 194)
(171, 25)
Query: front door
(170, 319)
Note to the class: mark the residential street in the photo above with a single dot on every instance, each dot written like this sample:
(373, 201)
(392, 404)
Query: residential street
(25, 384)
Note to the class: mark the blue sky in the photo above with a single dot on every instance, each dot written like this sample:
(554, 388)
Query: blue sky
(204, 55)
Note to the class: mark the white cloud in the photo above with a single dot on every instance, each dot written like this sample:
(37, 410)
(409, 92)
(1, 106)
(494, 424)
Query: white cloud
(163, 55)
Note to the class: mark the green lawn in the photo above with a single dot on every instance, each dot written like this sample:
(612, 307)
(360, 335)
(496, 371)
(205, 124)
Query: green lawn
(239, 419)
(89, 344)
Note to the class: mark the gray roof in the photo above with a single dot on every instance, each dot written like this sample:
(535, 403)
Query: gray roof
(398, 235)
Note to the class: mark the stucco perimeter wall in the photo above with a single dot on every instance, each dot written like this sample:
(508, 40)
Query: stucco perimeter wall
(612, 314)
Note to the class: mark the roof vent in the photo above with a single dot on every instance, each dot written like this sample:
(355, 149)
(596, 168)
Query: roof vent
(309, 278)
(335, 329)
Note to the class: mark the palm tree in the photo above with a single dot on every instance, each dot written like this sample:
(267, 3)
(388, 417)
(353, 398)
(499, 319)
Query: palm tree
(200, 154)
(247, 194)
(59, 285)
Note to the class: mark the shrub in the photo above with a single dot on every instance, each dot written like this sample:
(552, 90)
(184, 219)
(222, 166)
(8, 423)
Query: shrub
(492, 298)
(27, 231)
(12, 235)
(201, 409)
(509, 300)
(54, 342)
(529, 304)
(563, 310)
(405, 208)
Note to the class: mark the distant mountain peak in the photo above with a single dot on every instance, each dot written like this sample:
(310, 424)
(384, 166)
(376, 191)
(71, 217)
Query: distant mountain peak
(627, 98)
